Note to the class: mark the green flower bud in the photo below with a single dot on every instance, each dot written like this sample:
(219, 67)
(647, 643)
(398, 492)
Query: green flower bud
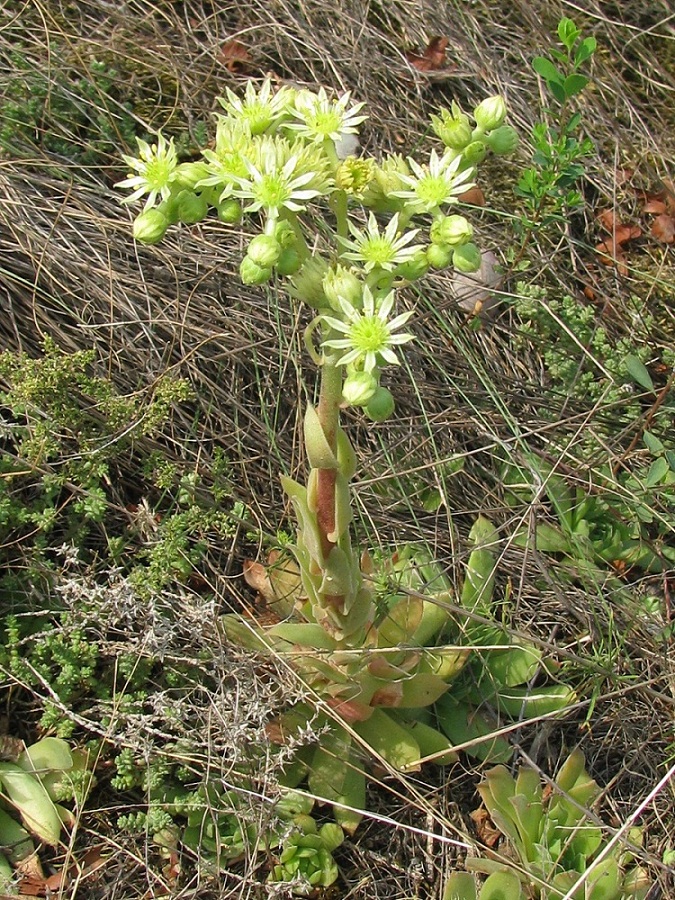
(502, 140)
(359, 388)
(191, 207)
(453, 128)
(415, 267)
(229, 211)
(251, 273)
(466, 258)
(474, 153)
(187, 176)
(285, 234)
(341, 282)
(289, 261)
(451, 230)
(439, 255)
(264, 250)
(150, 226)
(169, 208)
(491, 113)
(380, 406)
(307, 284)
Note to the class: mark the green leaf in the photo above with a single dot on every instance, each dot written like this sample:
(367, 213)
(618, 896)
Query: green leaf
(574, 84)
(652, 443)
(15, 840)
(512, 666)
(547, 70)
(460, 886)
(48, 755)
(637, 370)
(389, 739)
(567, 32)
(585, 50)
(353, 795)
(557, 90)
(657, 471)
(501, 886)
(27, 795)
(465, 725)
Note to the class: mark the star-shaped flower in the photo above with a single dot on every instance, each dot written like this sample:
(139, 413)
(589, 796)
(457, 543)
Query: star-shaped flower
(435, 185)
(321, 118)
(384, 249)
(368, 333)
(154, 166)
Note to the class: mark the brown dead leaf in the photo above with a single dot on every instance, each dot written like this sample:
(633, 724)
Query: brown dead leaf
(473, 196)
(663, 228)
(654, 206)
(234, 55)
(433, 57)
(607, 219)
(255, 576)
(485, 829)
(669, 195)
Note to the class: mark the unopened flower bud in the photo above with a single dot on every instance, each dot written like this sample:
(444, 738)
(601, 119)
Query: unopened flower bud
(453, 128)
(415, 267)
(502, 140)
(307, 284)
(289, 261)
(264, 250)
(251, 273)
(359, 388)
(150, 226)
(452, 230)
(191, 207)
(229, 211)
(466, 258)
(439, 255)
(381, 406)
(491, 113)
(187, 176)
(284, 234)
(341, 282)
(474, 153)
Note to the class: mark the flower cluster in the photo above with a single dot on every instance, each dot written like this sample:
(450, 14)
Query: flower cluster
(276, 153)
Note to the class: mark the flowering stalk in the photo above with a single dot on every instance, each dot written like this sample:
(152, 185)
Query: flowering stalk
(275, 155)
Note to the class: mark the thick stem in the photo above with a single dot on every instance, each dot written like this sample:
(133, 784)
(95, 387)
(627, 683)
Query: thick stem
(329, 414)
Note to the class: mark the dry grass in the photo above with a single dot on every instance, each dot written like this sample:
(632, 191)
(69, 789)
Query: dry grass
(70, 269)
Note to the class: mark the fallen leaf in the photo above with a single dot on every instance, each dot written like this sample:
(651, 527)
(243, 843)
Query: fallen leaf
(654, 206)
(669, 194)
(433, 57)
(606, 219)
(234, 55)
(485, 829)
(663, 228)
(473, 196)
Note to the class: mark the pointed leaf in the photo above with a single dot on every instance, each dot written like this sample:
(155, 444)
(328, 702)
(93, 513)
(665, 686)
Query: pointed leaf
(391, 740)
(513, 666)
(353, 794)
(45, 756)
(501, 886)
(319, 453)
(637, 370)
(460, 886)
(546, 69)
(465, 725)
(27, 795)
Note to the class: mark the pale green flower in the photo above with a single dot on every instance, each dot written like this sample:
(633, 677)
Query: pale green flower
(436, 184)
(368, 334)
(234, 144)
(374, 248)
(154, 166)
(258, 109)
(321, 118)
(275, 181)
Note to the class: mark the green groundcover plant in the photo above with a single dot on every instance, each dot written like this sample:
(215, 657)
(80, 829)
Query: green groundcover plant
(374, 637)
